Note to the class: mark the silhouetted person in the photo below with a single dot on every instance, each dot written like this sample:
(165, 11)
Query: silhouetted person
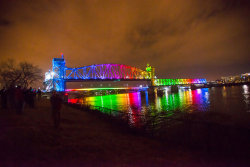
(39, 94)
(19, 100)
(56, 105)
(11, 97)
(33, 98)
(29, 97)
(3, 94)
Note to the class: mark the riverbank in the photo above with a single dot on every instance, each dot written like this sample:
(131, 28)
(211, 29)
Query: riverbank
(85, 139)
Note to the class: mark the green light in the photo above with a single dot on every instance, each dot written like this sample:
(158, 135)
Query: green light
(168, 82)
(148, 68)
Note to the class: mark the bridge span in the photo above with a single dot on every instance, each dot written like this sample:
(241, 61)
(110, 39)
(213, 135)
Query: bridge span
(56, 78)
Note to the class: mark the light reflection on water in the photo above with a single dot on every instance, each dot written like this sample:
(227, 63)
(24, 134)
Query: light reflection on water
(232, 100)
(246, 95)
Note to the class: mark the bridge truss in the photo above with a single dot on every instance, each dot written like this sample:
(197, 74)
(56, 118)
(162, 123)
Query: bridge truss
(55, 80)
(106, 71)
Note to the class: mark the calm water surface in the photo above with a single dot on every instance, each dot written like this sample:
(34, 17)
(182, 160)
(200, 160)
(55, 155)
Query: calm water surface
(234, 101)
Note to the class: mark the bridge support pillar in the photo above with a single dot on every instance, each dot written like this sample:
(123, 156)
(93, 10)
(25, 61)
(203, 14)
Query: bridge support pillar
(174, 88)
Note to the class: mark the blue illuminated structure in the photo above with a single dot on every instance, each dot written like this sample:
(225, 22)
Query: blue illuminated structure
(58, 71)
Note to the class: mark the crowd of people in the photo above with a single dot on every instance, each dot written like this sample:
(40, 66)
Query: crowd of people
(16, 98)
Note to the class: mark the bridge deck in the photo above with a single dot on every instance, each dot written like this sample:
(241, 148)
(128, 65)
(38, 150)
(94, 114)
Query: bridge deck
(101, 80)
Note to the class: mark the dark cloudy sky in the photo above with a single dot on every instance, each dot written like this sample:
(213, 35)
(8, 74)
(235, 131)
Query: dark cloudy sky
(181, 38)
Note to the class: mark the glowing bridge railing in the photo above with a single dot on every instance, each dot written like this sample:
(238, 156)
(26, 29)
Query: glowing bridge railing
(105, 71)
(168, 82)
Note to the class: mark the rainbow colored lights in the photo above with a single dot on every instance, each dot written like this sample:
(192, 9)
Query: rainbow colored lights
(137, 104)
(106, 71)
(182, 100)
(88, 89)
(129, 103)
(168, 82)
(60, 74)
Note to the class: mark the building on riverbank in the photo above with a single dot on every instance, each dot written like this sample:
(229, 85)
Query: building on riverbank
(236, 78)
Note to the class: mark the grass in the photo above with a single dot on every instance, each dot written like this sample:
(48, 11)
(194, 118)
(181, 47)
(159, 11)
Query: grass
(86, 139)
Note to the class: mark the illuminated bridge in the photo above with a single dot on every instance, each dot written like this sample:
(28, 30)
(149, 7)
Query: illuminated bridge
(169, 82)
(60, 74)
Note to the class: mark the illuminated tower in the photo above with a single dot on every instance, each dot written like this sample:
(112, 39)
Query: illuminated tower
(58, 74)
(151, 71)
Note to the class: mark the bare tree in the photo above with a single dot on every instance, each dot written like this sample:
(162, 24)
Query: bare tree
(23, 74)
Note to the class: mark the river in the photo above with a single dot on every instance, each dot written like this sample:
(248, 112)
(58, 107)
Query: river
(232, 101)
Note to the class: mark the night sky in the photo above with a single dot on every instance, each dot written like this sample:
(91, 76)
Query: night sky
(181, 38)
